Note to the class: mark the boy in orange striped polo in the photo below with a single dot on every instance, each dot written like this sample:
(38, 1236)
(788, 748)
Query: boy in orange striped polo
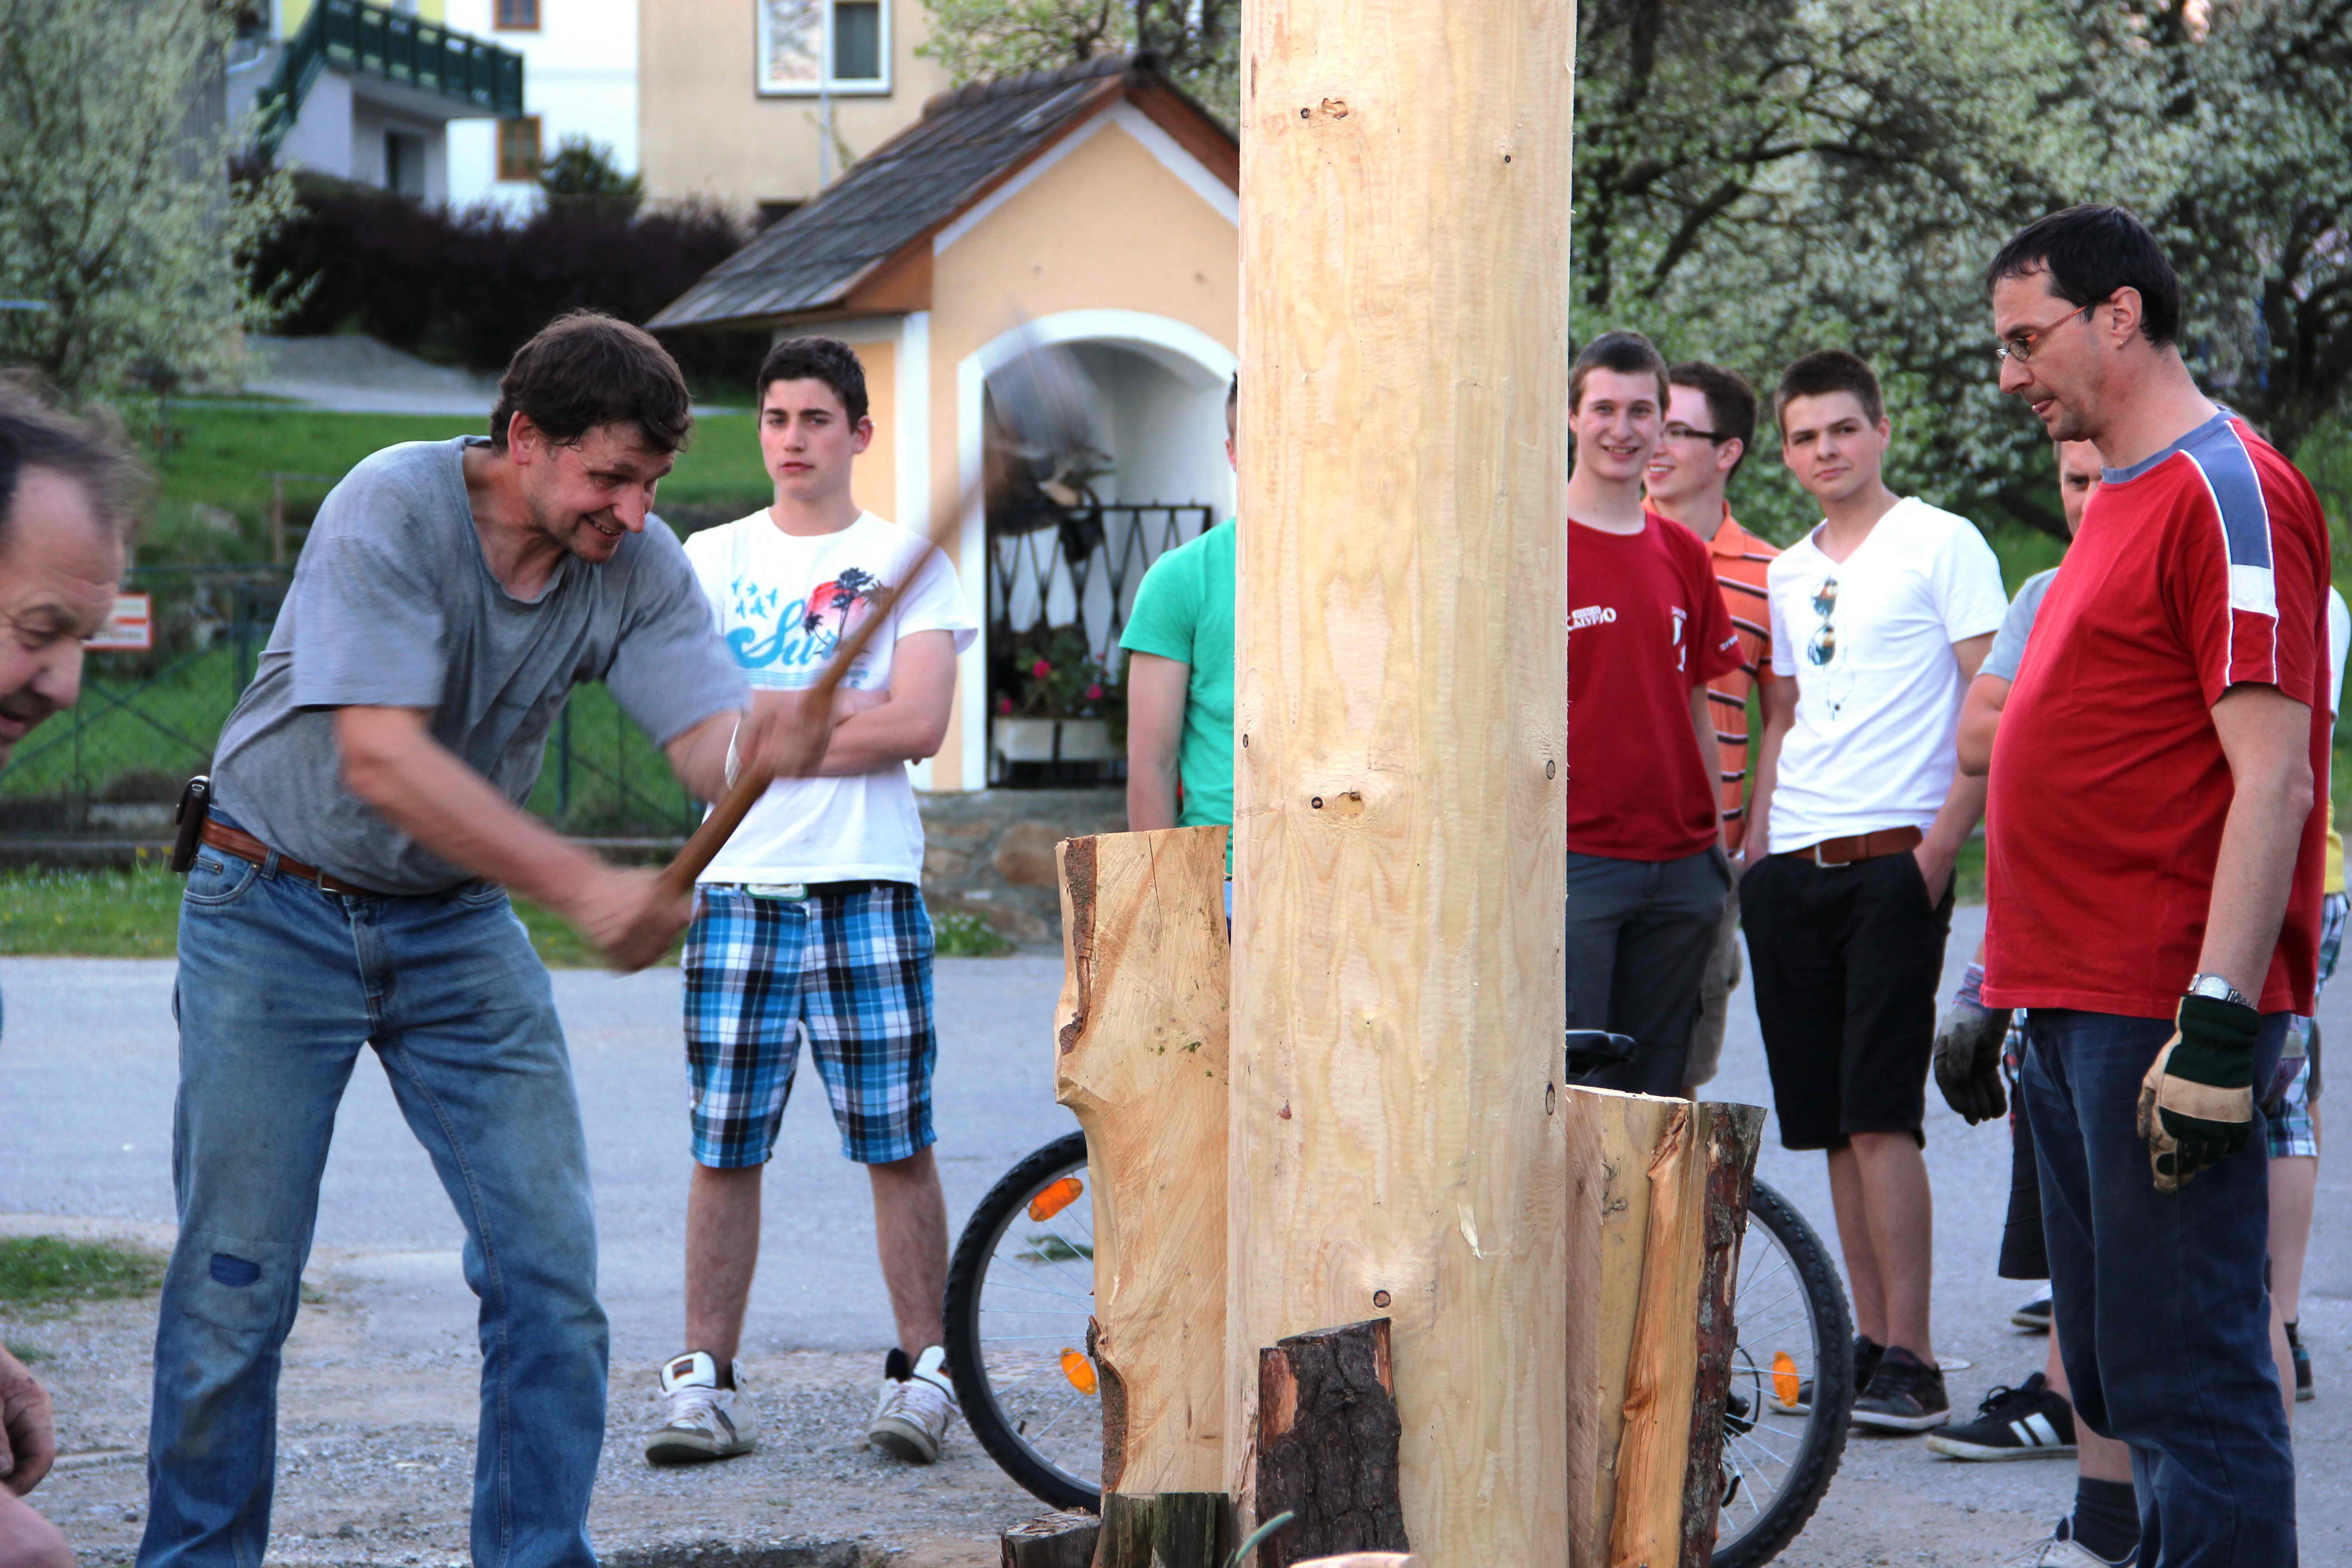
(1710, 424)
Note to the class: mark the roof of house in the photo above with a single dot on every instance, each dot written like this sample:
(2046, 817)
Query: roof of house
(836, 255)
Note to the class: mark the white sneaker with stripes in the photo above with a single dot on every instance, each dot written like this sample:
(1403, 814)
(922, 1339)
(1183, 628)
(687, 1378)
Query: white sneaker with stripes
(700, 1420)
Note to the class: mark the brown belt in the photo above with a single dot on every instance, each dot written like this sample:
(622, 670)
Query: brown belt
(1836, 852)
(246, 846)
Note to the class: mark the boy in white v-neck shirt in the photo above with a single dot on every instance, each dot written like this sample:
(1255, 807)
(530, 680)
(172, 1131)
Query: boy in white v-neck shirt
(1880, 618)
(810, 923)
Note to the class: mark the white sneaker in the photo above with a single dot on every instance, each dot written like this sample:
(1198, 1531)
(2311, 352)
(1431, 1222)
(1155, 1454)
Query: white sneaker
(700, 1420)
(910, 1418)
(2062, 1550)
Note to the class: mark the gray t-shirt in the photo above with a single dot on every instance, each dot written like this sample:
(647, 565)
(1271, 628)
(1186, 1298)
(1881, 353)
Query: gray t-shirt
(393, 605)
(2009, 643)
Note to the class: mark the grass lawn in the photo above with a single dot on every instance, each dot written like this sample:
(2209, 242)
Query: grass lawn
(136, 914)
(224, 454)
(44, 1273)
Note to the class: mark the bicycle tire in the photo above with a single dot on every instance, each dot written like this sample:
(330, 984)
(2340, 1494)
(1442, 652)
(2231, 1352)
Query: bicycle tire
(967, 1273)
(1822, 1448)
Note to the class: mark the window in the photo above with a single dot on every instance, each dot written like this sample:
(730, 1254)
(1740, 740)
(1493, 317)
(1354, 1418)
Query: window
(517, 15)
(799, 38)
(518, 148)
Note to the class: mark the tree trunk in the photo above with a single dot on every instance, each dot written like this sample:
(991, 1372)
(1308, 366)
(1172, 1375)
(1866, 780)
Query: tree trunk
(1143, 1061)
(1401, 729)
(1327, 1444)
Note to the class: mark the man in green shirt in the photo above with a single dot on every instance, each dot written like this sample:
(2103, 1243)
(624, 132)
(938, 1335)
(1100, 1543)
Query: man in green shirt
(1180, 680)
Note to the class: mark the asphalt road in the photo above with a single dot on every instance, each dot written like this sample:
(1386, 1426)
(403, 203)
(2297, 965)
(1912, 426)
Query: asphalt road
(87, 1070)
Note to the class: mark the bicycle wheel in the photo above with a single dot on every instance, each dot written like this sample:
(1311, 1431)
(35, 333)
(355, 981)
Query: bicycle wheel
(1793, 1327)
(1021, 1291)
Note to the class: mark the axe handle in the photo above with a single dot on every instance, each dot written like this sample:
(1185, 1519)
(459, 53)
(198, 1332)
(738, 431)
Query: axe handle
(751, 782)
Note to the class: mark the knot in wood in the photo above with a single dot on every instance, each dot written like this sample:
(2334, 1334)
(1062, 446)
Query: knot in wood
(1380, 1298)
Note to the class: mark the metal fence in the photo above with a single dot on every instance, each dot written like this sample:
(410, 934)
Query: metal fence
(1067, 577)
(148, 719)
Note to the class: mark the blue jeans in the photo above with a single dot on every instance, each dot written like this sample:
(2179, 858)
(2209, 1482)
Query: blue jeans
(2163, 1321)
(279, 984)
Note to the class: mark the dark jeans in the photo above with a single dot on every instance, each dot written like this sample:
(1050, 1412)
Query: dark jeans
(2162, 1318)
(1639, 936)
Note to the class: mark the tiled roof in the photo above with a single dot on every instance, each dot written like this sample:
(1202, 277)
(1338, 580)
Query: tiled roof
(966, 142)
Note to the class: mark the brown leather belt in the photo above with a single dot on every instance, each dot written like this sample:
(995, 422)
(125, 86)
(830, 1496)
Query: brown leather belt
(1835, 852)
(246, 846)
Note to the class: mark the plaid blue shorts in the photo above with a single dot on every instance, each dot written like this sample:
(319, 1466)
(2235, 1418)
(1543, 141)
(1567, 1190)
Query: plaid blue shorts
(848, 968)
(2297, 1088)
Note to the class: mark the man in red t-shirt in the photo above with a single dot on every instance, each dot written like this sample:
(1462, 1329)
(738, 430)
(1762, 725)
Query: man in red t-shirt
(1647, 632)
(2153, 870)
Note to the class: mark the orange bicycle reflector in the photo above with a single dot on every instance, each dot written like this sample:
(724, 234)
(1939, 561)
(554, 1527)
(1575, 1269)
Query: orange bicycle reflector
(1079, 1371)
(1784, 1377)
(1054, 1199)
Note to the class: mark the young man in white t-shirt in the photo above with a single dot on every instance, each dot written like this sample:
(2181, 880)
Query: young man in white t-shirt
(1880, 618)
(810, 924)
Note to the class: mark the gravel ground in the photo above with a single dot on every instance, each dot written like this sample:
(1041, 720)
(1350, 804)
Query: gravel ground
(376, 1438)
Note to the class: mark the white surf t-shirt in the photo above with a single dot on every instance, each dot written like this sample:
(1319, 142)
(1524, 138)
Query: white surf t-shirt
(782, 602)
(1869, 640)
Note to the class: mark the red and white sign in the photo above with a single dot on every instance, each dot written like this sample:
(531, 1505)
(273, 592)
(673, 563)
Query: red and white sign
(129, 629)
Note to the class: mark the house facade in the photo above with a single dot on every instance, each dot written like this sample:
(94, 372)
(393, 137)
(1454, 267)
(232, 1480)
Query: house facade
(366, 92)
(1094, 207)
(580, 79)
(759, 104)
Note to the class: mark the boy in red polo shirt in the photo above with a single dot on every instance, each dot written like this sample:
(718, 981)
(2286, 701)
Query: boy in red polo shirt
(1647, 632)
(2154, 878)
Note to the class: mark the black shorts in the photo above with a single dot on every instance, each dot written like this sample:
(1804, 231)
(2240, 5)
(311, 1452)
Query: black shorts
(2025, 1254)
(1845, 961)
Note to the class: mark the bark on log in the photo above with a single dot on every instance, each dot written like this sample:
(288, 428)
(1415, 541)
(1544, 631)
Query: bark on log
(1364, 1560)
(1163, 1530)
(1142, 1060)
(1667, 1475)
(1328, 1445)
(1054, 1540)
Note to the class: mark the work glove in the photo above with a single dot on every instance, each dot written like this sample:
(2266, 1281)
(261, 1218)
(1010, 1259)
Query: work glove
(1967, 1053)
(2196, 1102)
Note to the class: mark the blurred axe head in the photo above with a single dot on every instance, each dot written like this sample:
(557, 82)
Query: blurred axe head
(1042, 407)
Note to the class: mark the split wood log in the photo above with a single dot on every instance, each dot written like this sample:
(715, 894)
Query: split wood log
(1327, 1444)
(1668, 1473)
(1142, 1059)
(1401, 724)
(1164, 1530)
(1365, 1560)
(1610, 1139)
(1054, 1540)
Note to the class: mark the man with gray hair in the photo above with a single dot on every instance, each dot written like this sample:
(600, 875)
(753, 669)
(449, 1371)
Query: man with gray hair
(64, 489)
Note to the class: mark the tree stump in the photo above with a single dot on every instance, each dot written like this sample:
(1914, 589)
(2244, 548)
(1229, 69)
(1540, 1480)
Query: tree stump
(1055, 1541)
(1163, 1530)
(1327, 1444)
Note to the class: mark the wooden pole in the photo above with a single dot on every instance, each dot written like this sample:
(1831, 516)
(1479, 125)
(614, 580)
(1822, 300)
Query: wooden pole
(1400, 722)
(1141, 1058)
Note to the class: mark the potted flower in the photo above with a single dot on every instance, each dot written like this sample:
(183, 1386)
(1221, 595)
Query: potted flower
(1057, 705)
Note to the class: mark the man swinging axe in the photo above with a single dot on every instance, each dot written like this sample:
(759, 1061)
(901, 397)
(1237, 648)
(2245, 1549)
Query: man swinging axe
(349, 886)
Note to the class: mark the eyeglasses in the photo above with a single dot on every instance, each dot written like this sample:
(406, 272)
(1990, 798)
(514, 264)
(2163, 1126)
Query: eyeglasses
(1679, 432)
(2020, 344)
(1823, 647)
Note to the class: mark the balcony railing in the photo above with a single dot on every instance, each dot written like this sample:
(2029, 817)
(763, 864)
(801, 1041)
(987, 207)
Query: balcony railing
(360, 39)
